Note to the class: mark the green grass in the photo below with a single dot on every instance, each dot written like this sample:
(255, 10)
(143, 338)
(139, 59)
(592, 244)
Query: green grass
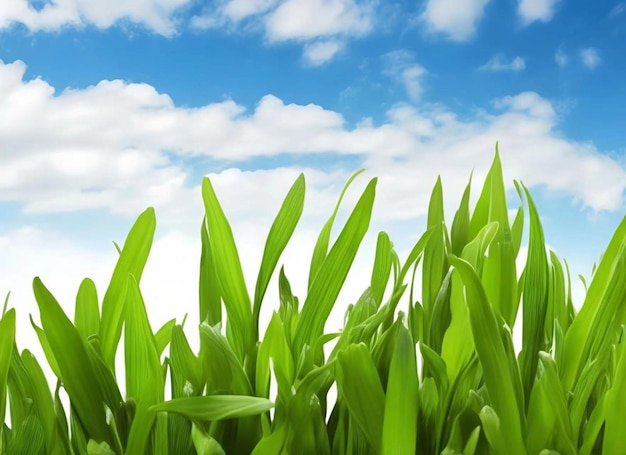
(430, 370)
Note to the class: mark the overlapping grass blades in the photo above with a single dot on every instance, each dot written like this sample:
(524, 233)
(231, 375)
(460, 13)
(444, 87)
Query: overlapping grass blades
(435, 374)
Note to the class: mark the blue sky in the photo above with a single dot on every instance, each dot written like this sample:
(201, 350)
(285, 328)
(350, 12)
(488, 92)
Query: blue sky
(109, 107)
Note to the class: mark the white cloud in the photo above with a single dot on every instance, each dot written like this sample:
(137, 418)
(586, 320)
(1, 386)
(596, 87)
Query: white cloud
(323, 26)
(561, 58)
(105, 147)
(308, 19)
(400, 65)
(590, 58)
(320, 52)
(536, 10)
(498, 63)
(156, 15)
(458, 20)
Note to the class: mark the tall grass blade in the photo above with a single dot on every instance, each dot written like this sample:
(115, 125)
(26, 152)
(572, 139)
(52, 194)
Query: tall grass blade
(325, 288)
(281, 231)
(229, 272)
(132, 260)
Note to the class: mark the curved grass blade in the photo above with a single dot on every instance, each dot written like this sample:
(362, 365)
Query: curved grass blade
(325, 288)
(71, 356)
(215, 407)
(359, 386)
(144, 376)
(382, 267)
(321, 246)
(132, 260)
(7, 340)
(87, 313)
(401, 402)
(229, 272)
(281, 231)
(500, 381)
(535, 298)
(210, 297)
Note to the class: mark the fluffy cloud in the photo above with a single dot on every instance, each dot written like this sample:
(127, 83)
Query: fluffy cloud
(457, 20)
(320, 52)
(123, 146)
(157, 15)
(322, 25)
(590, 58)
(536, 10)
(498, 63)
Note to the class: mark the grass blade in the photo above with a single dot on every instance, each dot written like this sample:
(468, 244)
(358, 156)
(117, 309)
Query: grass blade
(132, 260)
(281, 231)
(229, 272)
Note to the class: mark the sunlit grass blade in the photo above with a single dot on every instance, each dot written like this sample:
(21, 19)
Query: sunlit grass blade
(28, 438)
(597, 308)
(229, 272)
(459, 233)
(210, 296)
(144, 377)
(87, 313)
(325, 288)
(131, 260)
(215, 407)
(535, 299)
(382, 267)
(7, 339)
(359, 386)
(614, 408)
(71, 356)
(493, 357)
(281, 231)
(42, 401)
(321, 246)
(401, 401)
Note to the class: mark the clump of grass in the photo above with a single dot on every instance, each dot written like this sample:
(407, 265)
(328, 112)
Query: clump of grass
(470, 395)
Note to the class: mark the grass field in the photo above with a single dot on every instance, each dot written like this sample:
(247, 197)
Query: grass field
(430, 370)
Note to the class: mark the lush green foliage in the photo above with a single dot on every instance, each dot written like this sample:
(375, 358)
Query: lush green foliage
(436, 374)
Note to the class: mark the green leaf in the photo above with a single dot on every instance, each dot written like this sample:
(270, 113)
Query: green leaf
(321, 246)
(535, 298)
(328, 282)
(459, 234)
(210, 297)
(87, 313)
(163, 336)
(359, 386)
(229, 272)
(132, 260)
(500, 381)
(28, 438)
(71, 356)
(382, 267)
(281, 231)
(144, 377)
(401, 403)
(215, 407)
(603, 300)
(7, 339)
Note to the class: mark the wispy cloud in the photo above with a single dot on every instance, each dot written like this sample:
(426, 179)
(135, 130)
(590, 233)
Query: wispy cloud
(456, 19)
(561, 58)
(401, 66)
(320, 52)
(590, 58)
(618, 9)
(536, 10)
(499, 63)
